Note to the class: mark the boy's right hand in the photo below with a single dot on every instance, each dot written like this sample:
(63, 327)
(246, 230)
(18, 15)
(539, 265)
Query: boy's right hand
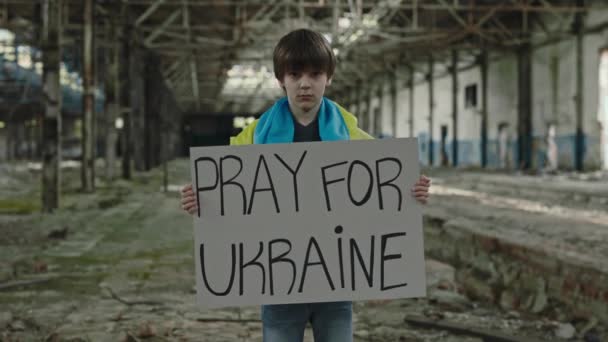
(188, 200)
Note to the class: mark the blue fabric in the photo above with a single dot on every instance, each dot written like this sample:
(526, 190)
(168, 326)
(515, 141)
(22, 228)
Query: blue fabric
(276, 124)
(331, 322)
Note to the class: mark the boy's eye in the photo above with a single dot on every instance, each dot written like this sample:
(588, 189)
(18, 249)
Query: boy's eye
(293, 74)
(316, 74)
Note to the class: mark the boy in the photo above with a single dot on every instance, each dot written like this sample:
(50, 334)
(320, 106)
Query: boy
(304, 64)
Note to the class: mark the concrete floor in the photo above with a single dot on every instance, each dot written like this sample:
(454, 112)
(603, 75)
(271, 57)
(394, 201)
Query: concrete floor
(515, 254)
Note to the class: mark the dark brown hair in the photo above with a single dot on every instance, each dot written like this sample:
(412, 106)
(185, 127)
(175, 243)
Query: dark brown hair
(303, 50)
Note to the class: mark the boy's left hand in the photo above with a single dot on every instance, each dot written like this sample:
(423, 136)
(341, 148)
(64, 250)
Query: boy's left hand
(421, 189)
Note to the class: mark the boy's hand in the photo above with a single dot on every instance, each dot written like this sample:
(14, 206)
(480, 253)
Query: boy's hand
(421, 189)
(188, 200)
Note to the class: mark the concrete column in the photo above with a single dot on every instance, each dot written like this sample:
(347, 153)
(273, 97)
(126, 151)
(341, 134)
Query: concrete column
(431, 108)
(411, 101)
(454, 71)
(51, 125)
(368, 114)
(394, 103)
(112, 92)
(524, 113)
(483, 63)
(139, 122)
(555, 82)
(144, 117)
(88, 101)
(125, 95)
(579, 144)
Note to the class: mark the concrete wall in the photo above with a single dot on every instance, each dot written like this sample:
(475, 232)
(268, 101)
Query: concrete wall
(551, 64)
(564, 54)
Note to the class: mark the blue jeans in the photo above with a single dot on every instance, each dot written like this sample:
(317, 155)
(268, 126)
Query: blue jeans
(331, 322)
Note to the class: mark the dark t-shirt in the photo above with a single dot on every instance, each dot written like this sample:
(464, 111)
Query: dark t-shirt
(306, 133)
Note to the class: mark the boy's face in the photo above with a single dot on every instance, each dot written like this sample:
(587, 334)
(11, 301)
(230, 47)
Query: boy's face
(305, 89)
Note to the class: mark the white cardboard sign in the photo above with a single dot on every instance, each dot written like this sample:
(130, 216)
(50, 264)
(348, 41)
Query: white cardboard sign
(307, 222)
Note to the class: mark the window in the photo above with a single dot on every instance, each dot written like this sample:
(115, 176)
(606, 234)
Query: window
(470, 96)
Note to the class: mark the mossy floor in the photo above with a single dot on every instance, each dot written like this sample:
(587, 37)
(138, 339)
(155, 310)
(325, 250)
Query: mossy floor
(118, 265)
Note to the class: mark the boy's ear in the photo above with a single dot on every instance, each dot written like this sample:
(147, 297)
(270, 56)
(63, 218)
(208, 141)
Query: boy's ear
(329, 81)
(280, 83)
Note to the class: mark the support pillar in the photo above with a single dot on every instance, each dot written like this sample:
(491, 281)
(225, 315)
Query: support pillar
(138, 69)
(394, 104)
(125, 96)
(483, 62)
(88, 101)
(112, 92)
(431, 108)
(454, 108)
(524, 113)
(51, 125)
(411, 101)
(368, 113)
(579, 144)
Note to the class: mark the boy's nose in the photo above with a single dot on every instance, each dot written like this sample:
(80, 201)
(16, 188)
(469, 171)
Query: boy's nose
(304, 83)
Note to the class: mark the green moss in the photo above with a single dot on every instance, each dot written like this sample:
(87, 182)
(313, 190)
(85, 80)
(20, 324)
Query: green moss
(158, 253)
(139, 275)
(18, 206)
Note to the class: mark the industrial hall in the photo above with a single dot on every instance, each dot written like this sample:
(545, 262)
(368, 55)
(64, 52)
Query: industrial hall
(304, 170)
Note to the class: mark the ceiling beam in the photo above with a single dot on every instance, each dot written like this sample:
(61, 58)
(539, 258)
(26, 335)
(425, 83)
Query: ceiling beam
(363, 5)
(192, 58)
(148, 12)
(162, 27)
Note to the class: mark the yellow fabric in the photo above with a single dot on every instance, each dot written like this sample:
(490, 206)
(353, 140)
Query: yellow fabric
(356, 133)
(246, 135)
